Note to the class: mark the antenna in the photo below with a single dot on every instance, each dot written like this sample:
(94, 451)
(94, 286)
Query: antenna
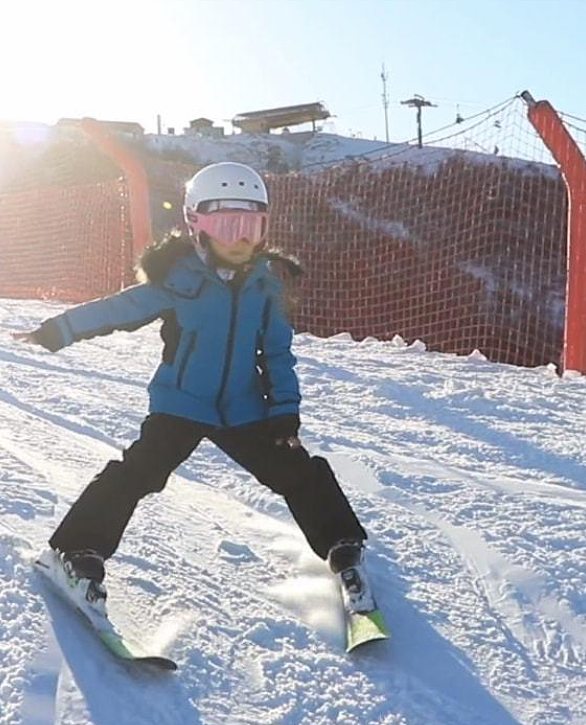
(384, 77)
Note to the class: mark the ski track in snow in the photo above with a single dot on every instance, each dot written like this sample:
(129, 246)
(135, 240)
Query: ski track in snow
(469, 476)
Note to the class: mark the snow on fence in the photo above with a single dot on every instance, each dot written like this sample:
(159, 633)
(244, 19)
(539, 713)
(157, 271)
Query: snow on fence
(461, 243)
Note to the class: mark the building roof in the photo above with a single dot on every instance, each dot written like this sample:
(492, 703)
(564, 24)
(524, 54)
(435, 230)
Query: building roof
(201, 122)
(284, 116)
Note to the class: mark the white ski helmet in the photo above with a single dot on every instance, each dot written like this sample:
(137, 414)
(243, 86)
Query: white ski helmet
(225, 181)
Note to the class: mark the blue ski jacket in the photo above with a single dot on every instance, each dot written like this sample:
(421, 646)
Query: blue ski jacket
(232, 363)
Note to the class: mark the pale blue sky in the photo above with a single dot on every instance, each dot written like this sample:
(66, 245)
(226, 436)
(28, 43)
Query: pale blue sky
(132, 59)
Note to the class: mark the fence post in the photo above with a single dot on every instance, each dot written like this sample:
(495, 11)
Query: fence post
(572, 165)
(136, 178)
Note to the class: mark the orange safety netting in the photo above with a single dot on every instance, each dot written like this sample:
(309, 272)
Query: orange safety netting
(461, 254)
(71, 243)
(461, 243)
(64, 217)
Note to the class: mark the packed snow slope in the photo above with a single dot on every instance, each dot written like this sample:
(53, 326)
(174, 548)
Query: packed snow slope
(469, 476)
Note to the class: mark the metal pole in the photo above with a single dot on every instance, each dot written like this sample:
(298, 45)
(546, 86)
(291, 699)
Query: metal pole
(384, 78)
(418, 102)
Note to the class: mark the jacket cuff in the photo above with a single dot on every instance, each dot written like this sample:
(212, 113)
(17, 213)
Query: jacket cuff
(286, 408)
(284, 426)
(51, 335)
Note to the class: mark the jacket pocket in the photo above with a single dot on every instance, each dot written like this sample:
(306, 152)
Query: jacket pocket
(182, 364)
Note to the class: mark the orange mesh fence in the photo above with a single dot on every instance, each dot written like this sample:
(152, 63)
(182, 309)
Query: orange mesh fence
(69, 243)
(461, 243)
(461, 248)
(64, 222)
(465, 255)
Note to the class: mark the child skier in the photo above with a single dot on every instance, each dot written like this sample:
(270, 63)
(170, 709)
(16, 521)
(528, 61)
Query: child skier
(227, 374)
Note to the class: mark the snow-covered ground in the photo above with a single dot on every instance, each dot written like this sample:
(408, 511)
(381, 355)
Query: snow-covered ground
(310, 151)
(470, 477)
(313, 152)
(281, 152)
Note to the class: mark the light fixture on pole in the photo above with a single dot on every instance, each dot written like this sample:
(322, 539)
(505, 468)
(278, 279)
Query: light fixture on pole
(418, 102)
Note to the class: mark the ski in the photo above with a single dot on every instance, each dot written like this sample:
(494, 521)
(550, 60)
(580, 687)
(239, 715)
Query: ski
(364, 620)
(364, 627)
(124, 650)
(117, 644)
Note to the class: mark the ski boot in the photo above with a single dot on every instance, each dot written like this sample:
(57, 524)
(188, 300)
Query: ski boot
(346, 560)
(87, 565)
(79, 575)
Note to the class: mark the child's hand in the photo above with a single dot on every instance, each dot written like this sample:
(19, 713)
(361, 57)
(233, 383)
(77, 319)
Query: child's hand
(291, 442)
(41, 336)
(284, 429)
(29, 337)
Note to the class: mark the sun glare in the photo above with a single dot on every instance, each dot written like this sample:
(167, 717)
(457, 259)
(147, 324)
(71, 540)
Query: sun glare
(64, 58)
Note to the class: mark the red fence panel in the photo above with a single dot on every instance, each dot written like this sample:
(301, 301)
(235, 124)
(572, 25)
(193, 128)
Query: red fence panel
(71, 243)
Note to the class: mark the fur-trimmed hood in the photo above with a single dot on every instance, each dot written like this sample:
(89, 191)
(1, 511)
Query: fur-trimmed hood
(156, 261)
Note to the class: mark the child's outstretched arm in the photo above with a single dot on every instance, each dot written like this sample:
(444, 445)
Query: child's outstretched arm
(127, 310)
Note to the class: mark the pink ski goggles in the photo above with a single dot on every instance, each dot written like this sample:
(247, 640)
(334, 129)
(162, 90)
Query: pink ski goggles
(228, 226)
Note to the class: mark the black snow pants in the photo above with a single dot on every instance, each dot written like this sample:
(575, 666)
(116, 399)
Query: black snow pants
(99, 517)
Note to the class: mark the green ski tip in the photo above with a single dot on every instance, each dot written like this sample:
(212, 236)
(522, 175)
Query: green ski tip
(122, 649)
(365, 627)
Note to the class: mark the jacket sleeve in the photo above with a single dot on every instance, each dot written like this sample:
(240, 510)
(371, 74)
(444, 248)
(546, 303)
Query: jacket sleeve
(127, 310)
(278, 360)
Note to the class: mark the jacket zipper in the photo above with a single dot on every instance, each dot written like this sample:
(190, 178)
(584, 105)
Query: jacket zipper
(185, 359)
(229, 351)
